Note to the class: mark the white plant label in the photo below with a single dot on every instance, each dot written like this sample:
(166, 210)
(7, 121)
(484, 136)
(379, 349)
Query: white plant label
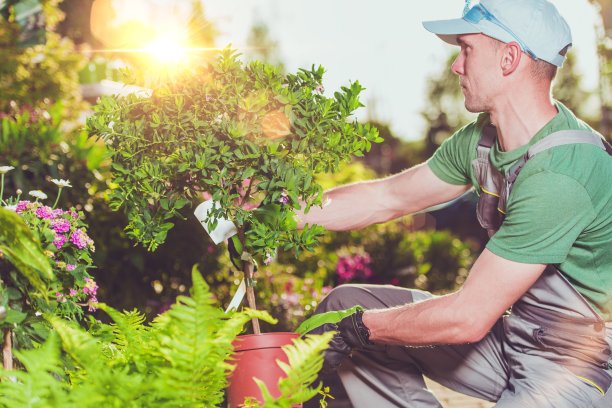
(238, 296)
(225, 228)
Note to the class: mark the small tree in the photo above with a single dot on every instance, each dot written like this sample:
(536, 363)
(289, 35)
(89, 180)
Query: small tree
(248, 136)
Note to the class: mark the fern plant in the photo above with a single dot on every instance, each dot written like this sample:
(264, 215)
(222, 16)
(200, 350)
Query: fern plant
(181, 359)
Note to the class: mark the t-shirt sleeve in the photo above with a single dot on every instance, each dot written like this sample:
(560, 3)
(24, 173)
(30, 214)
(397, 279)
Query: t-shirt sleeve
(451, 162)
(545, 215)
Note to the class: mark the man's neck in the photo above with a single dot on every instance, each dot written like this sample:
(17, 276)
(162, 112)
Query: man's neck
(518, 119)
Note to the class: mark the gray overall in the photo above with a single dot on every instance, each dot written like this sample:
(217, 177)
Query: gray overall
(551, 350)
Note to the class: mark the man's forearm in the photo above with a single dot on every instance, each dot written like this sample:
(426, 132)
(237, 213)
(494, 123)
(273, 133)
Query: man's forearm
(348, 207)
(433, 321)
(358, 205)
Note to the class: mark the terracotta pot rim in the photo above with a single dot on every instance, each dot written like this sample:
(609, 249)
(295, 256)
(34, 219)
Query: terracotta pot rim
(263, 341)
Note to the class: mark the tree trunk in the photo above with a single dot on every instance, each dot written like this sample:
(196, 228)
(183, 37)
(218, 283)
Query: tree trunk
(7, 350)
(247, 269)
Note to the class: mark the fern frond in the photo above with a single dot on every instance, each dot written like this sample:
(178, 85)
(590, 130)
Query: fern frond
(81, 346)
(187, 340)
(130, 335)
(305, 357)
(234, 325)
(40, 384)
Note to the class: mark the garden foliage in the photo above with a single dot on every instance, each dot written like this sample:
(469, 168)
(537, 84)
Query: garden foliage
(45, 257)
(246, 135)
(180, 360)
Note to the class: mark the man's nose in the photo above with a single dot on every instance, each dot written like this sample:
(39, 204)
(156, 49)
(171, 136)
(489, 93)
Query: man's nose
(457, 66)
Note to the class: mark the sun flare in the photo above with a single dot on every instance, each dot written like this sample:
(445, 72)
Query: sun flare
(167, 50)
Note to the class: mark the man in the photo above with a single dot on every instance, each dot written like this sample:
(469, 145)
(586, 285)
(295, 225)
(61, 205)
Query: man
(549, 258)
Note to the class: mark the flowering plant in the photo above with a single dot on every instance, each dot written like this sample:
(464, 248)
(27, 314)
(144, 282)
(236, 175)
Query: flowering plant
(67, 248)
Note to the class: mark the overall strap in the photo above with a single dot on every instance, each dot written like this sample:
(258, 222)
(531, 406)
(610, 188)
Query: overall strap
(560, 138)
(488, 136)
(490, 182)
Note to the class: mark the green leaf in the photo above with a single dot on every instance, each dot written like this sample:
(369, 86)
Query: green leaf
(21, 249)
(14, 316)
(320, 319)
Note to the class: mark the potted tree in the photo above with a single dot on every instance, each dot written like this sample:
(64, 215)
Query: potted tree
(246, 137)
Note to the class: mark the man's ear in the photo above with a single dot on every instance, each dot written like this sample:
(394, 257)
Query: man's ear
(510, 58)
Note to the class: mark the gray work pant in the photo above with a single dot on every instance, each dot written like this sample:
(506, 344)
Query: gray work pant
(504, 367)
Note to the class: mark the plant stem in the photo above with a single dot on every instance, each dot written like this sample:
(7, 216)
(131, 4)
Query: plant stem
(247, 269)
(247, 193)
(59, 193)
(7, 350)
(2, 190)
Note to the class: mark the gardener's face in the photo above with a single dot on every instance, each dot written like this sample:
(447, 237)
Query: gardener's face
(477, 68)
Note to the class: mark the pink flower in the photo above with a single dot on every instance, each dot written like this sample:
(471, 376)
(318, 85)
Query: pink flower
(91, 287)
(284, 199)
(268, 259)
(44, 212)
(73, 292)
(60, 225)
(22, 206)
(92, 303)
(70, 267)
(60, 297)
(59, 240)
(80, 239)
(354, 267)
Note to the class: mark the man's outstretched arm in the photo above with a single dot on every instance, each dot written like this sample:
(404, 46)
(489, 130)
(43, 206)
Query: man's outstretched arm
(465, 316)
(358, 205)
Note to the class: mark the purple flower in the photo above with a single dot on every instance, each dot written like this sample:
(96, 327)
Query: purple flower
(92, 303)
(90, 288)
(22, 206)
(354, 267)
(70, 267)
(80, 239)
(60, 225)
(268, 259)
(284, 199)
(59, 240)
(44, 212)
(73, 292)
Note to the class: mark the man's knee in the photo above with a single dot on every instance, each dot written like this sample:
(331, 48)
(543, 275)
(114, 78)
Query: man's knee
(341, 297)
(368, 296)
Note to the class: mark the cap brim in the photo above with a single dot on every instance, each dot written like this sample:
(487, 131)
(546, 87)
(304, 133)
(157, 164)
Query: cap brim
(448, 30)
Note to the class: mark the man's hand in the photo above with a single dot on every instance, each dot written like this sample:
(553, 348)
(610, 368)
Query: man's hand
(351, 335)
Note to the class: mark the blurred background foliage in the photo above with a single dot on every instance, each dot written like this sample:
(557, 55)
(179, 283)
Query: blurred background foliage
(42, 108)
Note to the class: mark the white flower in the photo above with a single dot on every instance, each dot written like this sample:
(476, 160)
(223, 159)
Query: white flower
(5, 169)
(38, 194)
(38, 58)
(10, 207)
(61, 183)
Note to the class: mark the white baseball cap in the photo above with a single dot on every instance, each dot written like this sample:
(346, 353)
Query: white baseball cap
(535, 25)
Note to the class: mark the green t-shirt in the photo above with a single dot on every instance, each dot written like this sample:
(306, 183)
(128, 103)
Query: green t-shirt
(560, 208)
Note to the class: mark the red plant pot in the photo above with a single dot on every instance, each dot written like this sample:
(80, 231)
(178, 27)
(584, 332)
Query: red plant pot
(255, 356)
